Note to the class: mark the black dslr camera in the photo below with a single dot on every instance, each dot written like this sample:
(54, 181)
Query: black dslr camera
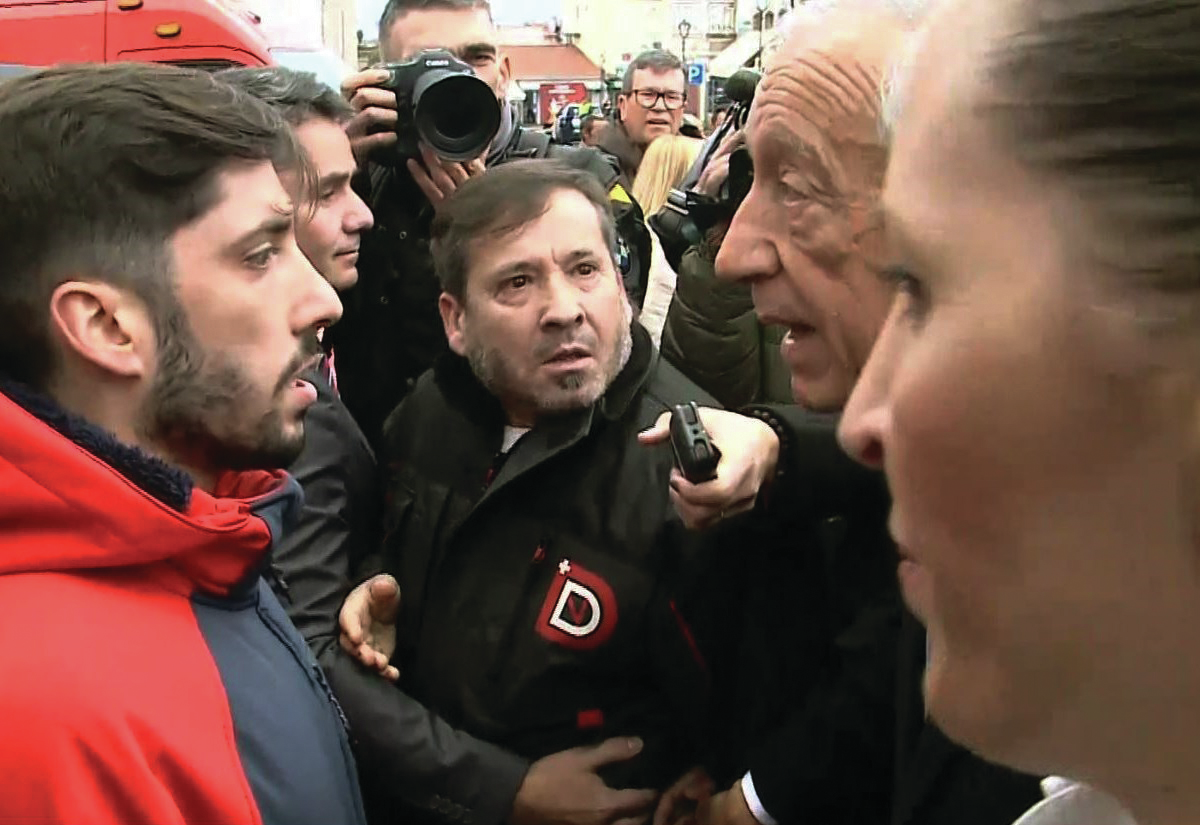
(687, 215)
(440, 101)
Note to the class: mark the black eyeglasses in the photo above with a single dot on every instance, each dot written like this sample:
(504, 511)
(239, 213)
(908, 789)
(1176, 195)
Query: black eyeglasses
(648, 98)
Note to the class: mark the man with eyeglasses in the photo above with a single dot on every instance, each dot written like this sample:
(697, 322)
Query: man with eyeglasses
(650, 105)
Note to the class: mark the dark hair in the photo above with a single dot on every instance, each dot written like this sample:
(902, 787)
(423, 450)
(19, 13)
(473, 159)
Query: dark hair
(589, 123)
(101, 165)
(298, 96)
(1105, 94)
(395, 9)
(501, 201)
(656, 60)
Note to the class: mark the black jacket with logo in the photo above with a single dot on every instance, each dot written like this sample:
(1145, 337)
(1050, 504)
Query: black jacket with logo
(391, 332)
(406, 755)
(545, 590)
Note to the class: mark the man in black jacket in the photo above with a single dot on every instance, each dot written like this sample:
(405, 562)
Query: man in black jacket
(391, 332)
(807, 241)
(544, 572)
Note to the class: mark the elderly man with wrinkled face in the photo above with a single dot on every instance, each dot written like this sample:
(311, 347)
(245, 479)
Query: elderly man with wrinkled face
(807, 237)
(807, 240)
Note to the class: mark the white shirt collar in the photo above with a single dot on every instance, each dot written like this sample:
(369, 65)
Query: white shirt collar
(1072, 803)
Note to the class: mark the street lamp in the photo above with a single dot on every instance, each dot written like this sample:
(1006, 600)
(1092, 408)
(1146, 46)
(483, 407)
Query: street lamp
(685, 28)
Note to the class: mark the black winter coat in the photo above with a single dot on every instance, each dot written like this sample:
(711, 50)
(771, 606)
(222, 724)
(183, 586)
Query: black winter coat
(860, 748)
(407, 757)
(340, 523)
(545, 592)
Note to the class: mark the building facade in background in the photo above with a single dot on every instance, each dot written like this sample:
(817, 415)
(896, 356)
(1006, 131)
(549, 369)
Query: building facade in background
(717, 36)
(612, 32)
(339, 30)
(760, 28)
(319, 36)
(548, 73)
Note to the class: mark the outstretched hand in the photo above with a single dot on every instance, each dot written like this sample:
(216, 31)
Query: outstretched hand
(565, 788)
(368, 624)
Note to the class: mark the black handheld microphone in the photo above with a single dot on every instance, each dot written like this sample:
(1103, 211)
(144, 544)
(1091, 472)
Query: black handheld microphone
(741, 85)
(695, 454)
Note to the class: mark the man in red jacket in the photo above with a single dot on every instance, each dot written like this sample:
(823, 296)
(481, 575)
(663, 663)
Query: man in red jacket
(155, 318)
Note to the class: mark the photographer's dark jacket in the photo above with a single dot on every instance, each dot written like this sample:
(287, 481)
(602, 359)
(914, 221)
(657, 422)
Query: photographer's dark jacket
(391, 331)
(545, 589)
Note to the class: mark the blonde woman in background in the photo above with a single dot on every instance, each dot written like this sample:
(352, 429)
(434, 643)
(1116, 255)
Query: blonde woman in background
(664, 167)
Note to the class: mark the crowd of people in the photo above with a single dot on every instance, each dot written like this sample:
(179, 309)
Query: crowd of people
(339, 484)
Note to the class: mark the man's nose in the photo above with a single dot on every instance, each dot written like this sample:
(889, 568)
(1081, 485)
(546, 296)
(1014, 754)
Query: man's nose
(315, 303)
(359, 218)
(865, 428)
(747, 251)
(562, 305)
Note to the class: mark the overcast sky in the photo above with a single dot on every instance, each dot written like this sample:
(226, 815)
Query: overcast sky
(505, 11)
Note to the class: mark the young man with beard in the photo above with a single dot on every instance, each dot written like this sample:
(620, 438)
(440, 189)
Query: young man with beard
(155, 321)
(340, 522)
(392, 333)
(409, 755)
(808, 241)
(533, 539)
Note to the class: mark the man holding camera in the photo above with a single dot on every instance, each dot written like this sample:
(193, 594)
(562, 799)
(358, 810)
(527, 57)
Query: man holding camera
(391, 332)
(711, 332)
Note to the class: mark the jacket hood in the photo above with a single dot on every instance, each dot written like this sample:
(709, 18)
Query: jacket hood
(76, 499)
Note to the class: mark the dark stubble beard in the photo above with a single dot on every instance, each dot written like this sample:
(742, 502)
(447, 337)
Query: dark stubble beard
(201, 409)
(581, 389)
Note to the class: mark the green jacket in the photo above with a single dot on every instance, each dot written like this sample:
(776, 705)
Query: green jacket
(714, 338)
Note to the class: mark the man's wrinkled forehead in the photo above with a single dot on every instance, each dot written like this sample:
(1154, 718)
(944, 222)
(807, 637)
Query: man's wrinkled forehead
(829, 75)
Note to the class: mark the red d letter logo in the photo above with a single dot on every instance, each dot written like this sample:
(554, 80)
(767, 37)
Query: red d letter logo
(580, 611)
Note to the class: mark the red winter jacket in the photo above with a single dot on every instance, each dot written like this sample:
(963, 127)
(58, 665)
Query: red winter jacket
(147, 674)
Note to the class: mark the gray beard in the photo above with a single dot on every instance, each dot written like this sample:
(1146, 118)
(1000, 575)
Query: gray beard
(491, 369)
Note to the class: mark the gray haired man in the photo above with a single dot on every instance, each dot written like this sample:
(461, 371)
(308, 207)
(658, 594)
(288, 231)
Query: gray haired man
(807, 239)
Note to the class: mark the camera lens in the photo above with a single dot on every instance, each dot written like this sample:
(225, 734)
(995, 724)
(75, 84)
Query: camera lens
(455, 113)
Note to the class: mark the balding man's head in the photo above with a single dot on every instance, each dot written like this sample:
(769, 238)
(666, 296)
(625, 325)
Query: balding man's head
(806, 237)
